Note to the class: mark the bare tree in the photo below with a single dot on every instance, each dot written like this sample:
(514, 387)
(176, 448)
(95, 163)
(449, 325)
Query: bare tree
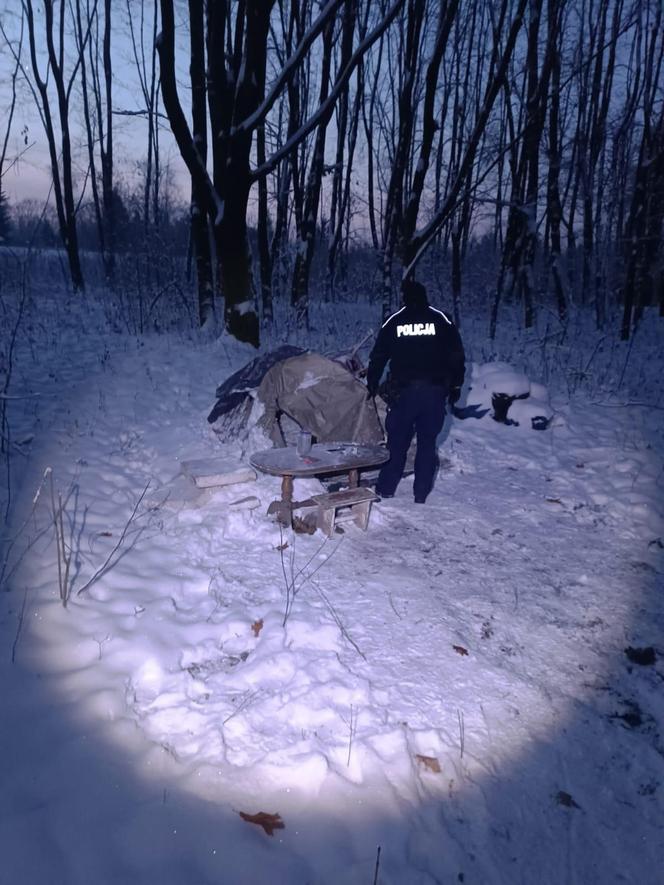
(410, 52)
(97, 94)
(238, 105)
(144, 50)
(368, 117)
(503, 29)
(555, 12)
(645, 223)
(306, 228)
(518, 260)
(57, 124)
(347, 127)
(17, 51)
(307, 231)
(200, 234)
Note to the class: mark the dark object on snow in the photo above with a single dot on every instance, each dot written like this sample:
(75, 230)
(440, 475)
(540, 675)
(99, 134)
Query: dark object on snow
(235, 391)
(474, 411)
(564, 798)
(501, 403)
(632, 717)
(645, 657)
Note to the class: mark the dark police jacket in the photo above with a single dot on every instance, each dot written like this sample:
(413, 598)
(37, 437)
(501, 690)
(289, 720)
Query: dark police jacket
(422, 346)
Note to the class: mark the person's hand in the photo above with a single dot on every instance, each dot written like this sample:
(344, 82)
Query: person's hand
(454, 395)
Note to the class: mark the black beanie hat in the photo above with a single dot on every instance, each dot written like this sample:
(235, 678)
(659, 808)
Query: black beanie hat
(414, 294)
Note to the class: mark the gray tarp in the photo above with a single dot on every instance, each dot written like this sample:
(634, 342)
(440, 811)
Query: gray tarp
(322, 397)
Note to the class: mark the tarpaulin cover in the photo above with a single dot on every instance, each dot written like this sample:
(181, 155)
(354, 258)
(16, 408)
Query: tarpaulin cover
(322, 397)
(237, 388)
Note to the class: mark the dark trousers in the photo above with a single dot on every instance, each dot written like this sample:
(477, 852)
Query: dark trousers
(420, 409)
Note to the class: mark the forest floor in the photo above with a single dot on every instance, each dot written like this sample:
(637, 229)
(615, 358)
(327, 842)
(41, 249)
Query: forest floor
(471, 691)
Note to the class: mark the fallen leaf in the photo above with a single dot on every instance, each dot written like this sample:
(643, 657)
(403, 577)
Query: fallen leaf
(269, 822)
(460, 650)
(281, 547)
(565, 799)
(643, 656)
(106, 534)
(305, 525)
(257, 626)
(429, 762)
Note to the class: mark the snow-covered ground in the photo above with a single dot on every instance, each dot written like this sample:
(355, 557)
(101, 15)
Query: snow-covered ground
(446, 698)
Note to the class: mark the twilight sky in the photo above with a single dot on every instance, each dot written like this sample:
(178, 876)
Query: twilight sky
(30, 176)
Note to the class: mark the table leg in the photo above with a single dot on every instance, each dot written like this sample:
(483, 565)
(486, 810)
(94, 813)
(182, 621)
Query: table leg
(287, 499)
(353, 478)
(287, 490)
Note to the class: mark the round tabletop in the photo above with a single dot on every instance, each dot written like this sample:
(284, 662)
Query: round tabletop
(330, 457)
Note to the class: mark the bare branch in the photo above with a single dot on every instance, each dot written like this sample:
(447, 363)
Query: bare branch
(108, 563)
(328, 105)
(426, 236)
(289, 68)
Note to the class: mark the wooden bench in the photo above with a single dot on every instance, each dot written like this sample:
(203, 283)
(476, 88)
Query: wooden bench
(354, 504)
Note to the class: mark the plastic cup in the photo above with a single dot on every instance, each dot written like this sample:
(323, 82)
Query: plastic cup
(303, 445)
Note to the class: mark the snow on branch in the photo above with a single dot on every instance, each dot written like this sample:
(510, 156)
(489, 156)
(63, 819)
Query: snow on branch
(139, 112)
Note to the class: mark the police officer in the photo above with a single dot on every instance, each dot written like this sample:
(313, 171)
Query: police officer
(427, 365)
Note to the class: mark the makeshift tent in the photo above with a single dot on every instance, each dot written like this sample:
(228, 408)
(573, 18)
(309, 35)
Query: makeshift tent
(320, 395)
(235, 397)
(305, 391)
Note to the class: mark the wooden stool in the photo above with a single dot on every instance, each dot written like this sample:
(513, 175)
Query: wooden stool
(355, 502)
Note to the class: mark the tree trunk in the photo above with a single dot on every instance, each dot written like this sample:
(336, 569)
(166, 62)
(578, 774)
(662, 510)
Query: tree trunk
(235, 262)
(446, 19)
(60, 154)
(554, 208)
(108, 191)
(264, 259)
(200, 234)
(646, 217)
(307, 233)
(535, 104)
(347, 129)
(394, 208)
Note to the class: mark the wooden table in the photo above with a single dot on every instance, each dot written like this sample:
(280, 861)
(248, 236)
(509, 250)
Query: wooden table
(324, 459)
